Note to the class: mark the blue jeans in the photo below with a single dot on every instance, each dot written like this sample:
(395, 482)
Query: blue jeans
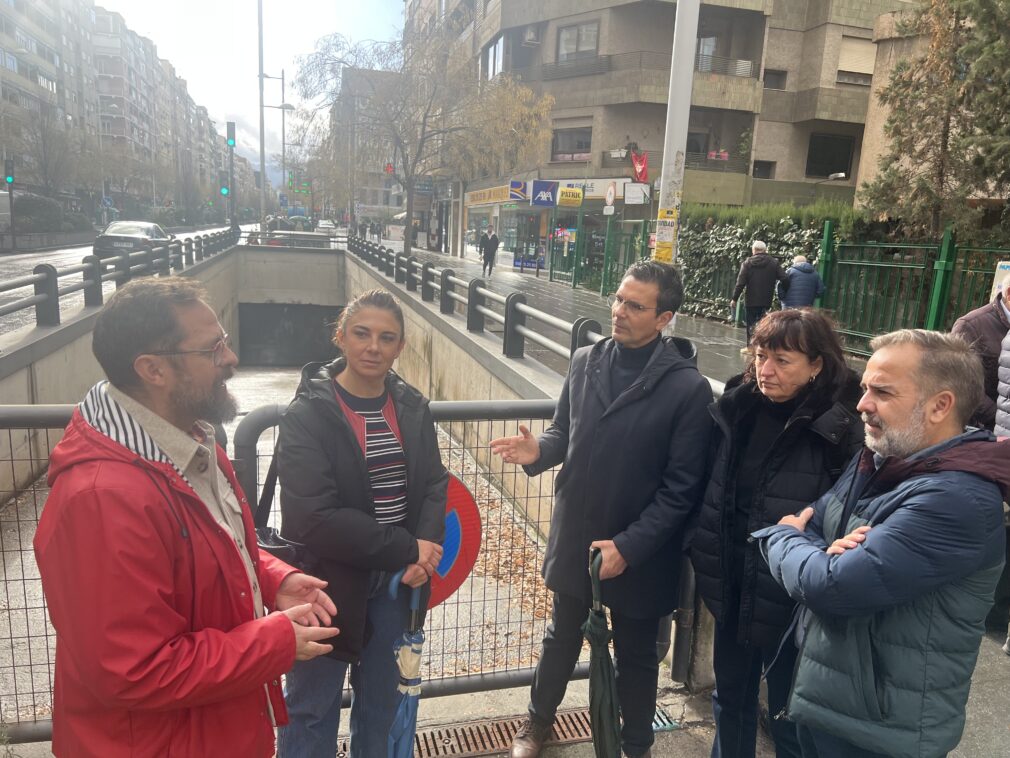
(735, 699)
(313, 690)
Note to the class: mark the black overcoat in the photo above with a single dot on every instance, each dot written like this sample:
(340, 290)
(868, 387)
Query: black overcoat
(326, 496)
(632, 471)
(807, 457)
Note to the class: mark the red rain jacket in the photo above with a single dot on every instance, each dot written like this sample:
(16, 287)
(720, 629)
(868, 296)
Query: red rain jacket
(158, 651)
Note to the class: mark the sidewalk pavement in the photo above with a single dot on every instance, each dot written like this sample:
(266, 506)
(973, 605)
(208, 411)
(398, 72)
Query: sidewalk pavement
(718, 343)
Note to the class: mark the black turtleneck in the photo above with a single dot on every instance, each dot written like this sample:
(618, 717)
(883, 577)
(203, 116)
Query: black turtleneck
(627, 364)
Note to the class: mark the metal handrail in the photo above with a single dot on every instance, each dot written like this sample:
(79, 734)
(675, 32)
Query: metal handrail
(441, 284)
(22, 281)
(174, 256)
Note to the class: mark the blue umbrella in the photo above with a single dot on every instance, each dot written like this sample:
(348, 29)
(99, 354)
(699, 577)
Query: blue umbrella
(407, 651)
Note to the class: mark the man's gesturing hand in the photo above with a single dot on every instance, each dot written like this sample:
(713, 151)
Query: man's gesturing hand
(297, 589)
(522, 449)
(307, 645)
(798, 522)
(849, 541)
(613, 562)
(428, 555)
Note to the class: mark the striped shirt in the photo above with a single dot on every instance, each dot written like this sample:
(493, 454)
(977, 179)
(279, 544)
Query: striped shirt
(384, 456)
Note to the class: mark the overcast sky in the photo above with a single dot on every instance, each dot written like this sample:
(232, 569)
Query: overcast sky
(213, 46)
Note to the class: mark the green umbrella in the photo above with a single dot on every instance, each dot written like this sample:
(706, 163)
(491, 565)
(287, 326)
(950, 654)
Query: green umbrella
(603, 709)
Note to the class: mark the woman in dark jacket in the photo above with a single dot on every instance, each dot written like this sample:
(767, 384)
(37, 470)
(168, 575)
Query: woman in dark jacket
(363, 486)
(784, 431)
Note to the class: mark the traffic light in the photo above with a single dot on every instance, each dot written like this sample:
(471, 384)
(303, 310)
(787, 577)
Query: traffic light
(225, 189)
(231, 134)
(9, 171)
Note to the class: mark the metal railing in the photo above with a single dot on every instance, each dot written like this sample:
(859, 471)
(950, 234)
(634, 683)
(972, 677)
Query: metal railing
(486, 636)
(639, 60)
(94, 272)
(716, 64)
(706, 162)
(508, 312)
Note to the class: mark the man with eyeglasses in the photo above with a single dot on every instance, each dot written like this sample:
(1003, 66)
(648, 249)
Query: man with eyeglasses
(631, 429)
(149, 563)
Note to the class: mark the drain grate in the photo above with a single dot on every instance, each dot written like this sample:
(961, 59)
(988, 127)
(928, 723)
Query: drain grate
(491, 737)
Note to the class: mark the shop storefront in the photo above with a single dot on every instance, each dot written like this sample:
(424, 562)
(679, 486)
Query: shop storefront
(482, 209)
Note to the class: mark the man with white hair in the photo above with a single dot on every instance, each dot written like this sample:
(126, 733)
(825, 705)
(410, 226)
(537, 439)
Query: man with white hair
(758, 275)
(805, 284)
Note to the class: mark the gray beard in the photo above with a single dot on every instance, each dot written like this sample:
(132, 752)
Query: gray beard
(901, 443)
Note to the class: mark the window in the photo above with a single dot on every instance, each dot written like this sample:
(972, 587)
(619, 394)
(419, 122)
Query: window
(851, 77)
(579, 41)
(829, 154)
(764, 169)
(697, 142)
(572, 144)
(775, 79)
(492, 61)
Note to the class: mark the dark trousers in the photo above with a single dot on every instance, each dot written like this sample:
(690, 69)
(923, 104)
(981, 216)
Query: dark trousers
(488, 263)
(753, 314)
(818, 744)
(738, 671)
(635, 659)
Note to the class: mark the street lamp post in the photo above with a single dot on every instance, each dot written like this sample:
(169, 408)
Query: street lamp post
(284, 107)
(263, 154)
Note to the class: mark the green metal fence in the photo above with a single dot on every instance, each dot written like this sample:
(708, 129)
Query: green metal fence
(874, 288)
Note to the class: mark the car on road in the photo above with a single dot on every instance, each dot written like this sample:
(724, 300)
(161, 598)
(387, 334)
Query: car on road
(129, 237)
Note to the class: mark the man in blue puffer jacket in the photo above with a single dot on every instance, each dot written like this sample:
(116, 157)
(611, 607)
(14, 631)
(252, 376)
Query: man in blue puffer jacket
(896, 565)
(805, 285)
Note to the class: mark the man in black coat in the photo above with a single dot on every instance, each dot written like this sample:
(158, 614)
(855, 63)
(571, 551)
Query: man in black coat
(631, 429)
(482, 244)
(758, 275)
(490, 249)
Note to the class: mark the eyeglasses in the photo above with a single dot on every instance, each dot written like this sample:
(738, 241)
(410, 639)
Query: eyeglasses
(217, 352)
(631, 305)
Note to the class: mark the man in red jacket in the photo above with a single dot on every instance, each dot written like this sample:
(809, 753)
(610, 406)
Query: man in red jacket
(148, 555)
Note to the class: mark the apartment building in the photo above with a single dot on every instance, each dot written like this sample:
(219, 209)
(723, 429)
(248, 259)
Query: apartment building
(46, 64)
(375, 193)
(127, 66)
(779, 98)
(139, 136)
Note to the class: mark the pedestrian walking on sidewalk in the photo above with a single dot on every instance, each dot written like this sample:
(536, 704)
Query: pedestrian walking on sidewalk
(482, 244)
(896, 565)
(490, 249)
(364, 488)
(805, 285)
(148, 557)
(643, 392)
(785, 430)
(758, 275)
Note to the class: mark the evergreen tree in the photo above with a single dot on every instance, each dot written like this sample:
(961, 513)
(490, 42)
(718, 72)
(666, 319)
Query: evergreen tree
(930, 171)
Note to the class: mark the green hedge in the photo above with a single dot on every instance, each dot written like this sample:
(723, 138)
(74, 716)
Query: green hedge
(715, 240)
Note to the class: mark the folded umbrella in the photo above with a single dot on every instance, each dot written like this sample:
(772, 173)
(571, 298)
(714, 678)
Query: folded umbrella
(604, 714)
(407, 652)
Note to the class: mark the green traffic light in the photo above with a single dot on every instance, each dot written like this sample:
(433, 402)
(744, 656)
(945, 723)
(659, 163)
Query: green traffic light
(224, 190)
(231, 143)
(9, 179)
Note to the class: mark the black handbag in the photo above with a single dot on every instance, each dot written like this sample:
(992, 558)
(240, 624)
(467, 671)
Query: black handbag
(268, 538)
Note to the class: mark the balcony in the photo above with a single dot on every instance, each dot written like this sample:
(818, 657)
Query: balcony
(832, 104)
(717, 162)
(644, 77)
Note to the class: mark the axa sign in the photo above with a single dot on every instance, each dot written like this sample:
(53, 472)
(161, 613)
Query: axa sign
(544, 193)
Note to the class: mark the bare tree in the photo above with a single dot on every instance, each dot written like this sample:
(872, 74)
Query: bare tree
(48, 149)
(418, 104)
